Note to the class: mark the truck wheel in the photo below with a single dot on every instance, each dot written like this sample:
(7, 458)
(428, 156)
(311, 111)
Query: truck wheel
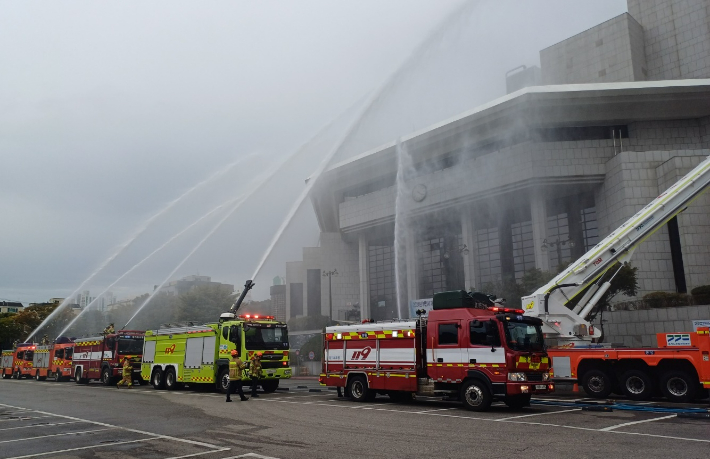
(106, 377)
(223, 381)
(597, 383)
(16, 375)
(359, 392)
(58, 377)
(679, 386)
(517, 402)
(476, 396)
(5, 375)
(157, 380)
(78, 379)
(170, 379)
(40, 378)
(637, 385)
(270, 386)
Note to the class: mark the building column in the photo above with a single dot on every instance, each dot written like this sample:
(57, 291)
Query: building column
(364, 265)
(538, 212)
(468, 235)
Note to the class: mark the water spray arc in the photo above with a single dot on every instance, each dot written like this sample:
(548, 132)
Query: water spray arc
(149, 256)
(260, 182)
(136, 235)
(388, 83)
(402, 206)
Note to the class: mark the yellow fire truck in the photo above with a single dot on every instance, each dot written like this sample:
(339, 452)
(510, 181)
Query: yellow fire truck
(200, 354)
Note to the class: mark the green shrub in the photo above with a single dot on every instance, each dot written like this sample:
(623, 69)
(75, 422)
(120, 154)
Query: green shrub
(701, 295)
(666, 299)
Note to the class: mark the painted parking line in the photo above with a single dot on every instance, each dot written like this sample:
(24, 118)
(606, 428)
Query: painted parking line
(54, 435)
(83, 447)
(513, 421)
(43, 424)
(152, 436)
(610, 428)
(537, 414)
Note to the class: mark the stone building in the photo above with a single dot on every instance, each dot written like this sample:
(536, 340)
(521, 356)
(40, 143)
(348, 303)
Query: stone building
(531, 180)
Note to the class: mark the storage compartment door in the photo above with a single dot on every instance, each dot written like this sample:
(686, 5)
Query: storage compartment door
(208, 350)
(149, 351)
(193, 352)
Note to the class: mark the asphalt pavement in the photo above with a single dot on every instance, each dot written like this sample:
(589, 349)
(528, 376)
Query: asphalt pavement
(65, 420)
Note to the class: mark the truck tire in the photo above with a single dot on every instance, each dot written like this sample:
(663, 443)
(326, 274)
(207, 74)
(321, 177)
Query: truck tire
(359, 392)
(679, 386)
(270, 386)
(106, 377)
(40, 378)
(597, 383)
(517, 402)
(223, 381)
(157, 380)
(58, 377)
(171, 380)
(78, 379)
(636, 384)
(5, 375)
(476, 396)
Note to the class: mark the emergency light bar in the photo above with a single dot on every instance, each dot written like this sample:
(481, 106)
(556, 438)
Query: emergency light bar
(256, 317)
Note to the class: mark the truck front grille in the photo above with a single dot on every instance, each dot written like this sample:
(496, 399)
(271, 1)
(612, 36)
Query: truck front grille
(534, 377)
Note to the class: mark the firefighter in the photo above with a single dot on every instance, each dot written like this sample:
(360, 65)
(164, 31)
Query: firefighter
(45, 340)
(236, 366)
(15, 343)
(127, 374)
(255, 372)
(109, 330)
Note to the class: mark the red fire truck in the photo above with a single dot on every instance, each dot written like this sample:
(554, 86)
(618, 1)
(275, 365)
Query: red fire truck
(467, 348)
(53, 361)
(18, 362)
(101, 357)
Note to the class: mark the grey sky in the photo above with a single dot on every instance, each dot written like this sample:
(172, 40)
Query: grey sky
(111, 110)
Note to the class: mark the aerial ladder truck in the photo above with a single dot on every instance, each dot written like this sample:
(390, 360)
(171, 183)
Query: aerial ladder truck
(679, 368)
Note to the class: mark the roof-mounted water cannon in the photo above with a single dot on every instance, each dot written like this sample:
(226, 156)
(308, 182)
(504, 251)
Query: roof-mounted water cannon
(247, 286)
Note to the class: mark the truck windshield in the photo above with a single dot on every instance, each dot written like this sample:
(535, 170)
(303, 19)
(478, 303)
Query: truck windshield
(257, 337)
(523, 336)
(29, 355)
(130, 346)
(68, 353)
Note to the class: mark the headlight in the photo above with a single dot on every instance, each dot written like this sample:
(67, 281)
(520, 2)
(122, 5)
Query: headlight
(516, 377)
(546, 376)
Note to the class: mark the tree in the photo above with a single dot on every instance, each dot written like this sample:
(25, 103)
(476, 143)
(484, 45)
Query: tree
(204, 303)
(308, 323)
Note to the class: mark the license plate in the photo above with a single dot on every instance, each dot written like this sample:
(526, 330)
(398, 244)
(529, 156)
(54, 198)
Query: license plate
(540, 386)
(270, 373)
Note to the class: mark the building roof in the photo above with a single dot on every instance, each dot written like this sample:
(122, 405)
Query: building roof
(531, 107)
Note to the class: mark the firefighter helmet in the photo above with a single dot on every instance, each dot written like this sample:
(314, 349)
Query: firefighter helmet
(234, 352)
(258, 354)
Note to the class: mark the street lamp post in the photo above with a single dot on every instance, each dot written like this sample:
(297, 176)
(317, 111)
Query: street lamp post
(329, 275)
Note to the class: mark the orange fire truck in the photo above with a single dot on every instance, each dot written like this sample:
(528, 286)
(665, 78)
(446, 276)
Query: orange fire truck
(101, 357)
(467, 348)
(18, 362)
(54, 361)
(679, 368)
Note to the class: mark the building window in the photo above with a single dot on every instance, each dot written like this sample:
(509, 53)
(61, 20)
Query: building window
(558, 241)
(523, 248)
(590, 233)
(432, 277)
(488, 269)
(383, 290)
(296, 299)
(313, 277)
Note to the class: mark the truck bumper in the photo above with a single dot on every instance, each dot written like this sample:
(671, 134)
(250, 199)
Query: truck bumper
(530, 387)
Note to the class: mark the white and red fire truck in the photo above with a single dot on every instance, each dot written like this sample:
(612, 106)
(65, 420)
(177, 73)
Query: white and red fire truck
(467, 348)
(101, 357)
(679, 368)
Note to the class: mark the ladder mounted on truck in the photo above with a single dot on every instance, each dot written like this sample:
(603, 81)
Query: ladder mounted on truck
(549, 301)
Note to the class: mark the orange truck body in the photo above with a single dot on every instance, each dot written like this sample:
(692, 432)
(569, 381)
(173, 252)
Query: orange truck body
(681, 359)
(53, 361)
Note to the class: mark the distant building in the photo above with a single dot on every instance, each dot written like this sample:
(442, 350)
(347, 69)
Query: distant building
(10, 306)
(187, 283)
(278, 300)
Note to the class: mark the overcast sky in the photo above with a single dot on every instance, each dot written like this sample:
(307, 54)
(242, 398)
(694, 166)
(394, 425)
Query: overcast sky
(109, 111)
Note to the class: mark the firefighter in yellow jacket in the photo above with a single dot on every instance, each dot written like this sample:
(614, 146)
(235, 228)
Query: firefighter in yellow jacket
(255, 372)
(236, 366)
(127, 374)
